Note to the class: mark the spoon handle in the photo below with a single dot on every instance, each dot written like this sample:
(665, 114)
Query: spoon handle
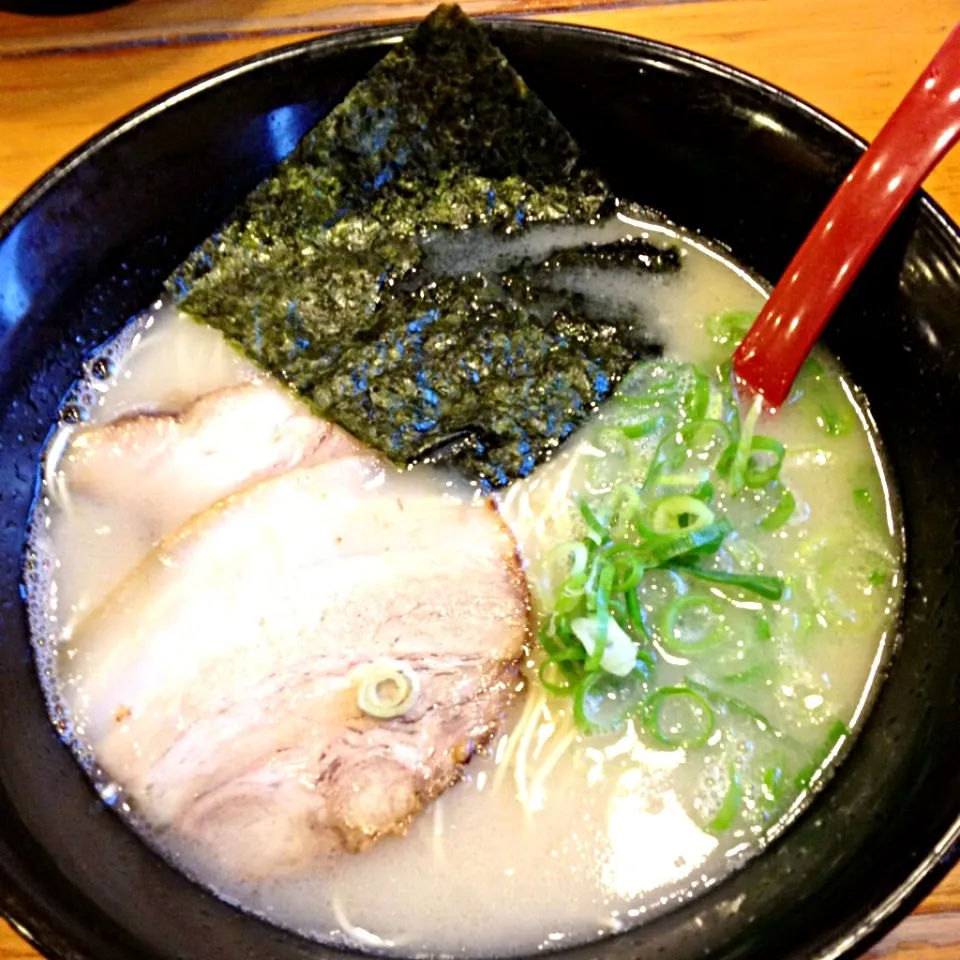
(921, 131)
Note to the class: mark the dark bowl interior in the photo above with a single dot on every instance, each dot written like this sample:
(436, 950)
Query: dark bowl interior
(714, 150)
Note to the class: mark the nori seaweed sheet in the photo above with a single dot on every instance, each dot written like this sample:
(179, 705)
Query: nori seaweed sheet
(319, 275)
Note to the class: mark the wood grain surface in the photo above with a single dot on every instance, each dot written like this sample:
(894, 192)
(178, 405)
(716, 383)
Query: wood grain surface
(63, 79)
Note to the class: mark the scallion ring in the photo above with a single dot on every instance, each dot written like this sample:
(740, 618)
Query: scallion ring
(687, 545)
(756, 474)
(701, 435)
(680, 514)
(626, 507)
(555, 675)
(678, 718)
(714, 697)
(627, 562)
(604, 702)
(581, 704)
(571, 592)
(672, 624)
(573, 550)
(387, 689)
(558, 641)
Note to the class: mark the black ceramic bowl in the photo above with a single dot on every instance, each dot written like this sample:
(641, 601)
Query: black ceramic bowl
(714, 150)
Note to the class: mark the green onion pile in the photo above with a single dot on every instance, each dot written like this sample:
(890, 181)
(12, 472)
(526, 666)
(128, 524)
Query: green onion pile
(670, 520)
(698, 473)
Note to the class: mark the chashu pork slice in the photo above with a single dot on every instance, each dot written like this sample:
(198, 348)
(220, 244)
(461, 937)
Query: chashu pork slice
(218, 683)
(164, 468)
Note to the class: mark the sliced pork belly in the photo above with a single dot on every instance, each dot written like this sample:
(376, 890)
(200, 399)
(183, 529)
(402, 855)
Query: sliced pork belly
(220, 679)
(167, 467)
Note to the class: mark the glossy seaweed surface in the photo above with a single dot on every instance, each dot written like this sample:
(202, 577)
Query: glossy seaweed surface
(713, 150)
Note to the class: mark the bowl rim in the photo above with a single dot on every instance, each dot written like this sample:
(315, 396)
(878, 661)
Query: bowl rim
(19, 906)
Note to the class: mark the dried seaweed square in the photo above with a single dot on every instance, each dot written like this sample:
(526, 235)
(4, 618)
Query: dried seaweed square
(322, 277)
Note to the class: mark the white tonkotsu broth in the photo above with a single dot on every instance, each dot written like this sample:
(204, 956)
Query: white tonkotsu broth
(551, 838)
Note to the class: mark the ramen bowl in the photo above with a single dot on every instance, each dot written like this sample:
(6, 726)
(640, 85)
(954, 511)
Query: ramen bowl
(720, 152)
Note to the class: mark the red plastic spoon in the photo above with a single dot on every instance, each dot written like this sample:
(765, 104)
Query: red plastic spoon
(918, 135)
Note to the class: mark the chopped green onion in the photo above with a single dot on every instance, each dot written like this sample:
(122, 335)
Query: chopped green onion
(670, 516)
(770, 588)
(780, 514)
(726, 460)
(730, 806)
(671, 464)
(689, 544)
(714, 696)
(725, 381)
(809, 773)
(771, 783)
(674, 480)
(741, 453)
(387, 689)
(699, 398)
(571, 592)
(830, 420)
(754, 475)
(577, 553)
(828, 399)
(643, 428)
(582, 715)
(691, 432)
(554, 678)
(604, 702)
(594, 526)
(704, 492)
(870, 505)
(730, 327)
(746, 676)
(626, 507)
(560, 643)
(601, 622)
(671, 632)
(616, 654)
(680, 513)
(678, 717)
(627, 563)
(634, 616)
(552, 639)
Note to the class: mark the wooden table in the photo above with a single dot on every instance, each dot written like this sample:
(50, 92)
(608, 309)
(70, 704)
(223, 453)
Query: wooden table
(62, 79)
